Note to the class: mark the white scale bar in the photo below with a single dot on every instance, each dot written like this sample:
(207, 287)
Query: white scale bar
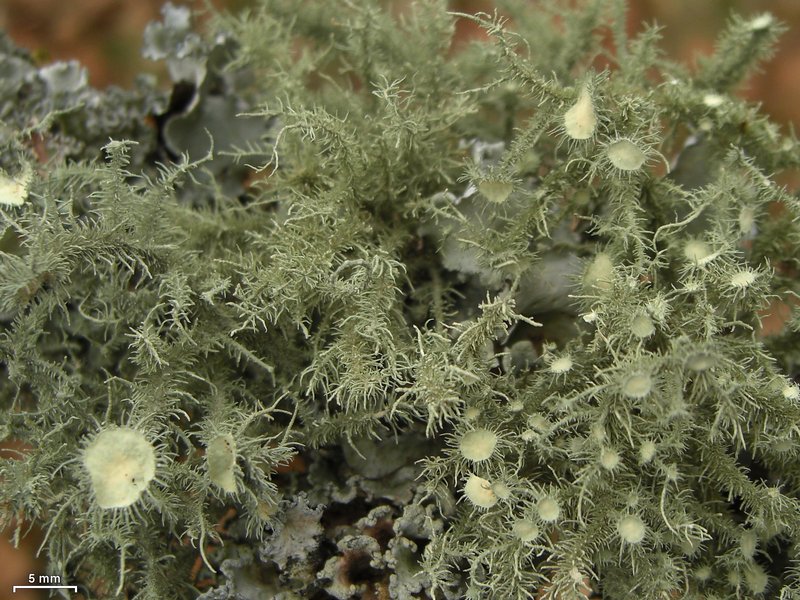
(74, 588)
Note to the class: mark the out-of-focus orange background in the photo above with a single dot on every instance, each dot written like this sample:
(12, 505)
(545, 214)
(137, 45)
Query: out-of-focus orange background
(105, 35)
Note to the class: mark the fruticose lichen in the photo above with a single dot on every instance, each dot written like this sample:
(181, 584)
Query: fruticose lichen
(354, 308)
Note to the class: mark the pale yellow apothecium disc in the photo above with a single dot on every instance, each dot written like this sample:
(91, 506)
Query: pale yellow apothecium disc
(221, 460)
(14, 190)
(121, 462)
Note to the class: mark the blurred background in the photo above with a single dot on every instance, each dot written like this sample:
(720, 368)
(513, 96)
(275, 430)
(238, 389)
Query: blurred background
(105, 36)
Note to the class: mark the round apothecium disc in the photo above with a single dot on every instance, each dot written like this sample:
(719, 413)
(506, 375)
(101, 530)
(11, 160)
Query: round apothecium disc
(121, 462)
(631, 529)
(478, 445)
(580, 120)
(479, 491)
(625, 155)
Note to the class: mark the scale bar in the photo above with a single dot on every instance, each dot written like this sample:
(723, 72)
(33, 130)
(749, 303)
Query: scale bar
(74, 588)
